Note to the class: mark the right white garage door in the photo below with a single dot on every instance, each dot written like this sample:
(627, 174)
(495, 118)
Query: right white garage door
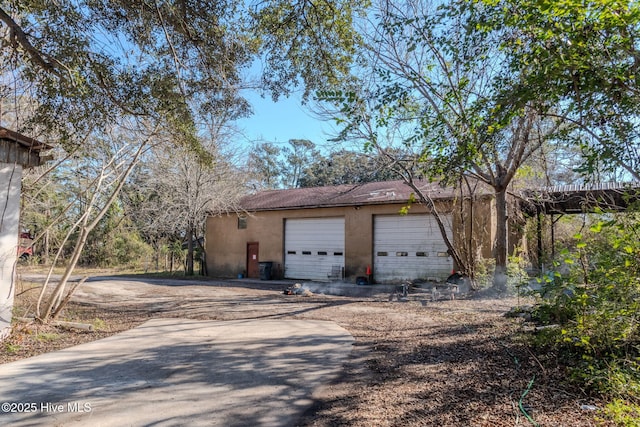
(410, 247)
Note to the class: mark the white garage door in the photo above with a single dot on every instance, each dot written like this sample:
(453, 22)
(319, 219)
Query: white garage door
(410, 247)
(314, 248)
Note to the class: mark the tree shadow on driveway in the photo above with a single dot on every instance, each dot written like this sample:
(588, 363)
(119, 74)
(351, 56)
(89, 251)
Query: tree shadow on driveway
(180, 372)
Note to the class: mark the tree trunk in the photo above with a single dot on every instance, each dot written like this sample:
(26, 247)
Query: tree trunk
(85, 227)
(500, 245)
(470, 255)
(56, 297)
(189, 269)
(462, 266)
(46, 241)
(204, 271)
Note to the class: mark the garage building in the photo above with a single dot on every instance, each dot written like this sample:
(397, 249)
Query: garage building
(347, 231)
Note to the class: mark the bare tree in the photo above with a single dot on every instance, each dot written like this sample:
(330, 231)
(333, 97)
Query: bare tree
(102, 173)
(437, 85)
(180, 189)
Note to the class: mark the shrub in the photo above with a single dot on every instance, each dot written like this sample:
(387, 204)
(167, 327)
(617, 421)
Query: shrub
(622, 413)
(596, 305)
(517, 276)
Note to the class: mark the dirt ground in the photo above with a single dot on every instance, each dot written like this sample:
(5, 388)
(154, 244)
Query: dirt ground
(414, 363)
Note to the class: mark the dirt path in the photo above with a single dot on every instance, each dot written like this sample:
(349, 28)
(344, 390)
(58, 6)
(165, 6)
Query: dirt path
(414, 363)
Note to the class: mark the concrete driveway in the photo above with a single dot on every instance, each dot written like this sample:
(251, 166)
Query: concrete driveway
(171, 372)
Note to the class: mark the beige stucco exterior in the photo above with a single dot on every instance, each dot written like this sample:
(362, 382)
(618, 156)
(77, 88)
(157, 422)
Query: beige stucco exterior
(10, 176)
(226, 243)
(16, 153)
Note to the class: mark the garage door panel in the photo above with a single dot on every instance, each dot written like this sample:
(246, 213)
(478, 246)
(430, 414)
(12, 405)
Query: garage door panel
(313, 246)
(410, 247)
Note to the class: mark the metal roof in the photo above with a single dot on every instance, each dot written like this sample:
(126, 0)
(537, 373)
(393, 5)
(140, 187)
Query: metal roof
(611, 196)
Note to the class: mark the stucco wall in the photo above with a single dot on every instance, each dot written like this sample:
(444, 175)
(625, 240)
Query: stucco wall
(226, 244)
(477, 221)
(10, 179)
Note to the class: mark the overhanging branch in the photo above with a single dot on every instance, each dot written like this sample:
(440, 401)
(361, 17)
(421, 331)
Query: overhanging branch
(20, 39)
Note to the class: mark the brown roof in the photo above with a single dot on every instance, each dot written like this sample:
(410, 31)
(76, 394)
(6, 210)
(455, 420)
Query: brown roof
(340, 195)
(25, 141)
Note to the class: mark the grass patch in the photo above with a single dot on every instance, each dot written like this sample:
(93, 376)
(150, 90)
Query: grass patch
(12, 348)
(47, 336)
(99, 324)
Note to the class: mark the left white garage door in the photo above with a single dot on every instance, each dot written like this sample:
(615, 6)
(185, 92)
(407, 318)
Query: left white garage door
(314, 247)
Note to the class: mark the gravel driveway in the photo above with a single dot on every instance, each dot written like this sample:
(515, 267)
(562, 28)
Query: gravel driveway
(414, 362)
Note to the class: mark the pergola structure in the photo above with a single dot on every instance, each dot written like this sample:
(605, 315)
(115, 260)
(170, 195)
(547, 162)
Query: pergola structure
(17, 152)
(578, 199)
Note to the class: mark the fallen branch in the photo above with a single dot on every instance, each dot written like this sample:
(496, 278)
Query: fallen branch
(27, 290)
(544, 371)
(71, 325)
(74, 325)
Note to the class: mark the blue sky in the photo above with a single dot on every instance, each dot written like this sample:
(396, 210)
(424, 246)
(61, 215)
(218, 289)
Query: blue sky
(279, 122)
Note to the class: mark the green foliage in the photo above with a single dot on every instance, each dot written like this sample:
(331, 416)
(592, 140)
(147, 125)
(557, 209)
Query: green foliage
(12, 348)
(273, 166)
(346, 167)
(47, 336)
(90, 61)
(114, 244)
(299, 165)
(176, 255)
(298, 154)
(622, 413)
(99, 324)
(596, 303)
(406, 208)
(177, 62)
(129, 249)
(266, 165)
(517, 276)
(44, 201)
(484, 272)
(306, 41)
(581, 57)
